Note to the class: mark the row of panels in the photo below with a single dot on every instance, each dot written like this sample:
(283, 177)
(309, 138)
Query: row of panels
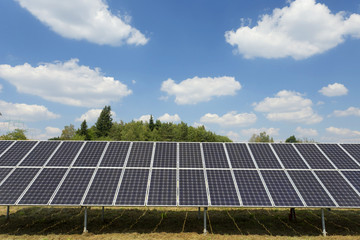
(189, 155)
(182, 187)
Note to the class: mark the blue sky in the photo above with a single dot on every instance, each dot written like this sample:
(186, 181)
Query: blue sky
(237, 67)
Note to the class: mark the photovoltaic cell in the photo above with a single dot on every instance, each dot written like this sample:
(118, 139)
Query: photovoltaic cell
(310, 189)
(192, 188)
(281, 190)
(214, 155)
(288, 156)
(4, 145)
(341, 191)
(251, 188)
(16, 153)
(4, 172)
(133, 187)
(103, 187)
(239, 155)
(313, 156)
(338, 156)
(140, 155)
(353, 150)
(222, 189)
(162, 188)
(14, 185)
(115, 154)
(65, 154)
(43, 187)
(40, 154)
(353, 177)
(190, 155)
(90, 155)
(264, 156)
(74, 187)
(165, 155)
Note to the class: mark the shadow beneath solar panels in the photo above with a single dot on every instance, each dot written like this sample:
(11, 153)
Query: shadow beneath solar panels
(68, 221)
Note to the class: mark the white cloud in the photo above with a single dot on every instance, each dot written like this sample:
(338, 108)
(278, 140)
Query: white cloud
(25, 112)
(89, 20)
(230, 119)
(269, 131)
(288, 106)
(196, 125)
(306, 132)
(334, 90)
(65, 82)
(195, 90)
(50, 132)
(92, 115)
(143, 118)
(169, 118)
(233, 136)
(351, 111)
(344, 132)
(300, 30)
(1, 87)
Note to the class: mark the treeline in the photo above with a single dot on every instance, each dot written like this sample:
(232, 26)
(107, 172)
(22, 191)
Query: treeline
(105, 129)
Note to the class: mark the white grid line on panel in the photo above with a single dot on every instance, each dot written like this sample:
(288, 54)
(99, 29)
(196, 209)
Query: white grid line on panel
(50, 157)
(347, 153)
(27, 154)
(233, 175)
(122, 174)
(327, 158)
(94, 174)
(205, 174)
(288, 176)
(7, 149)
(150, 172)
(317, 178)
(260, 175)
(177, 174)
(66, 173)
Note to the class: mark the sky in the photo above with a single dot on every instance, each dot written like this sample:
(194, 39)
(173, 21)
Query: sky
(287, 67)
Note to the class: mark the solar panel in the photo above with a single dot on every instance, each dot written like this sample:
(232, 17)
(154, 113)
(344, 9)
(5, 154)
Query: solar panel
(338, 156)
(239, 155)
(74, 187)
(90, 155)
(313, 156)
(40, 154)
(341, 191)
(353, 177)
(43, 187)
(264, 156)
(288, 156)
(353, 150)
(4, 172)
(13, 156)
(115, 154)
(310, 189)
(214, 155)
(4, 145)
(165, 155)
(162, 188)
(133, 187)
(192, 188)
(140, 155)
(65, 154)
(103, 187)
(190, 155)
(15, 184)
(280, 188)
(251, 188)
(222, 189)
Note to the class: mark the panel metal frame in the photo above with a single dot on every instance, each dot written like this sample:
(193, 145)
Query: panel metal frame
(7, 149)
(149, 178)
(347, 153)
(205, 175)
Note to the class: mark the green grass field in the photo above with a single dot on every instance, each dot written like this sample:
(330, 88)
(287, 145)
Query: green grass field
(176, 223)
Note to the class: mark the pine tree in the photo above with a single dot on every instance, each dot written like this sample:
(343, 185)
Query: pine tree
(104, 122)
(84, 130)
(151, 123)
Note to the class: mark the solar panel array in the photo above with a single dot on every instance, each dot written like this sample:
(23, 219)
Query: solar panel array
(179, 174)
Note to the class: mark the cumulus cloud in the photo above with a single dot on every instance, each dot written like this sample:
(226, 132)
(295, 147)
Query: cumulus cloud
(269, 131)
(351, 111)
(143, 118)
(195, 90)
(26, 112)
(334, 90)
(233, 136)
(92, 115)
(288, 106)
(89, 20)
(344, 132)
(65, 82)
(1, 87)
(49, 132)
(306, 132)
(300, 30)
(169, 118)
(230, 119)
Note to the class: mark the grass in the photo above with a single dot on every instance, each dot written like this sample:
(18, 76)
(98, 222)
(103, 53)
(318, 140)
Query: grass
(47, 223)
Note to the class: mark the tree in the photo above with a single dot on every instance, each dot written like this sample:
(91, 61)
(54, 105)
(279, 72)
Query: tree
(84, 131)
(68, 132)
(104, 122)
(151, 123)
(17, 134)
(291, 139)
(262, 137)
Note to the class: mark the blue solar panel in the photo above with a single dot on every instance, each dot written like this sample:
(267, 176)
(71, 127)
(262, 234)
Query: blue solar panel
(214, 155)
(354, 178)
(14, 155)
(165, 155)
(65, 155)
(115, 154)
(4, 172)
(162, 188)
(4, 145)
(338, 156)
(90, 155)
(140, 155)
(313, 156)
(40, 154)
(264, 156)
(239, 155)
(288, 156)
(353, 150)
(192, 188)
(190, 155)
